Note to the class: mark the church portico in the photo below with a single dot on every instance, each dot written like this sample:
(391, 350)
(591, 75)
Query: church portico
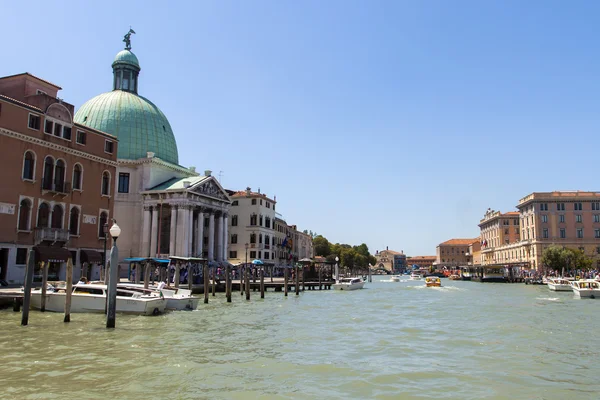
(194, 210)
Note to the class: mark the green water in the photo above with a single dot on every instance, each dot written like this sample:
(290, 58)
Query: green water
(465, 340)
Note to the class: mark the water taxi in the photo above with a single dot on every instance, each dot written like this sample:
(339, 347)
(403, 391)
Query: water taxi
(177, 298)
(586, 288)
(559, 285)
(433, 281)
(349, 284)
(396, 278)
(89, 298)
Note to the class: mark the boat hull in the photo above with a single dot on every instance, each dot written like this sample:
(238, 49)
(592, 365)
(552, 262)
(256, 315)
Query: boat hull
(587, 293)
(83, 303)
(354, 286)
(560, 287)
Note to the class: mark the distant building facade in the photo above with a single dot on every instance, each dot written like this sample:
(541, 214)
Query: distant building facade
(58, 178)
(421, 261)
(390, 260)
(454, 253)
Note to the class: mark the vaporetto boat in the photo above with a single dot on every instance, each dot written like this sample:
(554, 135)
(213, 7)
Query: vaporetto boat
(91, 298)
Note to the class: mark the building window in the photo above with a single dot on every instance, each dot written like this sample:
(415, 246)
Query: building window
(101, 222)
(596, 217)
(560, 206)
(21, 256)
(267, 222)
(234, 220)
(545, 233)
(259, 254)
(58, 129)
(34, 122)
(59, 176)
(43, 216)
(24, 215)
(48, 127)
(260, 221)
(233, 239)
(57, 217)
(544, 207)
(579, 233)
(563, 233)
(77, 173)
(273, 207)
(234, 203)
(597, 233)
(577, 206)
(233, 254)
(267, 240)
(74, 221)
(253, 238)
(544, 218)
(595, 206)
(105, 183)
(261, 202)
(506, 231)
(260, 238)
(48, 173)
(253, 202)
(266, 255)
(577, 217)
(108, 146)
(561, 218)
(253, 254)
(253, 219)
(67, 132)
(28, 165)
(123, 182)
(80, 137)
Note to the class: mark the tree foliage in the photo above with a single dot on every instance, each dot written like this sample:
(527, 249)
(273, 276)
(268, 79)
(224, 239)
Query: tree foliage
(564, 258)
(351, 257)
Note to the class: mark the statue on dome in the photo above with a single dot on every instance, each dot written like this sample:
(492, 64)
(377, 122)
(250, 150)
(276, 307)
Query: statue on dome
(127, 39)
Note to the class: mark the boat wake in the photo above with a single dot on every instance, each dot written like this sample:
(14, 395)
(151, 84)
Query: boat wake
(548, 298)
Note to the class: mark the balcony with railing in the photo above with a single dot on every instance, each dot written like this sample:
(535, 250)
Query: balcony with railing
(56, 186)
(51, 234)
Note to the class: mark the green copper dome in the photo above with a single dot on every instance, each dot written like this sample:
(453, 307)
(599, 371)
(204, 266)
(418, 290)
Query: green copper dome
(139, 125)
(126, 57)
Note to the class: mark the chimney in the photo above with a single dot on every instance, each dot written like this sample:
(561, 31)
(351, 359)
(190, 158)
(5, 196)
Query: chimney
(186, 184)
(387, 248)
(193, 169)
(248, 190)
(258, 190)
(207, 172)
(150, 154)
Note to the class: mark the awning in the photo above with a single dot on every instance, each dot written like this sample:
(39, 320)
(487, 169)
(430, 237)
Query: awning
(135, 259)
(90, 256)
(51, 254)
(177, 258)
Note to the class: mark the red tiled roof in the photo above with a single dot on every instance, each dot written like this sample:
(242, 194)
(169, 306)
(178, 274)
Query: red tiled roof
(512, 213)
(20, 103)
(243, 193)
(423, 258)
(459, 242)
(33, 76)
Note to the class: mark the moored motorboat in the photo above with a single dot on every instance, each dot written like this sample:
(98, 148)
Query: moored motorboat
(454, 277)
(415, 276)
(559, 285)
(586, 288)
(396, 278)
(349, 284)
(90, 298)
(177, 298)
(433, 281)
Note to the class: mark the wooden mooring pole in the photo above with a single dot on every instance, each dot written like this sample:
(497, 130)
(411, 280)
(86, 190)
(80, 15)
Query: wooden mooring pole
(320, 279)
(228, 283)
(206, 288)
(69, 290)
(214, 281)
(285, 283)
(297, 281)
(262, 283)
(247, 283)
(27, 289)
(146, 275)
(44, 284)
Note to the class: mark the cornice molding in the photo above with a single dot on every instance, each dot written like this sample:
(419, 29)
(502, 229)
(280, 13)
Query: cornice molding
(55, 146)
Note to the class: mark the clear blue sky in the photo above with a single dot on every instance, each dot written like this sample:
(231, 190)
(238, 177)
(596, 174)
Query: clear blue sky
(395, 123)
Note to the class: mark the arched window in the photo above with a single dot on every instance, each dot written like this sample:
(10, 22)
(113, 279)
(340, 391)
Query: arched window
(43, 215)
(253, 238)
(77, 175)
(57, 217)
(102, 221)
(24, 214)
(260, 238)
(28, 165)
(74, 221)
(59, 176)
(105, 183)
(48, 173)
(267, 239)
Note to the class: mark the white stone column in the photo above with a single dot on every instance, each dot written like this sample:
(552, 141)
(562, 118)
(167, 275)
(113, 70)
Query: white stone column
(199, 233)
(146, 232)
(220, 238)
(211, 236)
(190, 238)
(182, 230)
(225, 237)
(154, 233)
(173, 231)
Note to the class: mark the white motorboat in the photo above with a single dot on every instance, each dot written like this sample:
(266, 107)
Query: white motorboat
(559, 285)
(177, 298)
(349, 284)
(91, 298)
(396, 278)
(415, 276)
(586, 288)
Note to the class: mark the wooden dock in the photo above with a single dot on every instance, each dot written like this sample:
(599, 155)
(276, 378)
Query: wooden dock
(276, 286)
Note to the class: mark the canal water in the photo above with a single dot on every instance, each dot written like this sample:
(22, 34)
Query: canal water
(399, 340)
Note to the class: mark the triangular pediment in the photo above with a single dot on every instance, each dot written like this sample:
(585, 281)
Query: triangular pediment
(209, 187)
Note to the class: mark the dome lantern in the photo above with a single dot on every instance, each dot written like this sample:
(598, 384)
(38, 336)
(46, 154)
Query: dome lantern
(126, 68)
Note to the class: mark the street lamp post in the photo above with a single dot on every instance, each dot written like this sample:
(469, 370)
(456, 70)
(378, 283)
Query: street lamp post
(105, 231)
(337, 271)
(115, 231)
